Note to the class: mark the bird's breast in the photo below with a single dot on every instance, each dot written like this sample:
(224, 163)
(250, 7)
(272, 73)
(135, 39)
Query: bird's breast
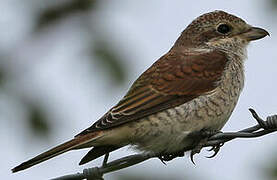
(165, 131)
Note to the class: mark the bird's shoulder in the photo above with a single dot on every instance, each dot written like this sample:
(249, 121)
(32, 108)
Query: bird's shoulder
(174, 79)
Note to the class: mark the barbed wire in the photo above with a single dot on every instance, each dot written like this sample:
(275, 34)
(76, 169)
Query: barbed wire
(215, 141)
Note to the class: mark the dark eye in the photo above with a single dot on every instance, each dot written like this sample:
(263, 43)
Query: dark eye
(224, 28)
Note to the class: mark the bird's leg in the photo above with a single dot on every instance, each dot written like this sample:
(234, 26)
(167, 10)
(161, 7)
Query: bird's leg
(204, 135)
(201, 138)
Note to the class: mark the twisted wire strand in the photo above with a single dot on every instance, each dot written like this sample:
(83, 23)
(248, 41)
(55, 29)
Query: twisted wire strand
(96, 173)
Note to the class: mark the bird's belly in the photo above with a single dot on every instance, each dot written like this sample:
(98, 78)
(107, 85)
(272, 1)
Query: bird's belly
(167, 131)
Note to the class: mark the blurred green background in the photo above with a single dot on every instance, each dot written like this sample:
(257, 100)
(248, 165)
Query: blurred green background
(64, 63)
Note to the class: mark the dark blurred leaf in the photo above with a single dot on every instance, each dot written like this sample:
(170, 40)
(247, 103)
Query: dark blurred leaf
(273, 170)
(53, 14)
(38, 121)
(110, 61)
(1, 77)
(274, 3)
(270, 169)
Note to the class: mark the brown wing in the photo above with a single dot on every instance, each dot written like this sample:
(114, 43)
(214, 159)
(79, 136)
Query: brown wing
(171, 81)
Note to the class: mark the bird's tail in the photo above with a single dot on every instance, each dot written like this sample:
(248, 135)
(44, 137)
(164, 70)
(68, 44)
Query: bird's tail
(62, 148)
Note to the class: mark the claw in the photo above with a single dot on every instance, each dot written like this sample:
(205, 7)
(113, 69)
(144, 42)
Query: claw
(169, 157)
(162, 160)
(216, 149)
(196, 150)
(212, 148)
(191, 157)
(166, 157)
(215, 153)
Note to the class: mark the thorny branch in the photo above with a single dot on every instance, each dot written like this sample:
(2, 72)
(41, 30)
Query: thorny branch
(215, 141)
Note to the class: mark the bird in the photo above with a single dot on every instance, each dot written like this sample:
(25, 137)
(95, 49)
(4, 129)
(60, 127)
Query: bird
(194, 87)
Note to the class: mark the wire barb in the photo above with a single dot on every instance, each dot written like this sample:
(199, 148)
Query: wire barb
(216, 141)
(260, 121)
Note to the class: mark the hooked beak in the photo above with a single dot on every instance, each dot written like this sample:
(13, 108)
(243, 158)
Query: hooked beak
(255, 33)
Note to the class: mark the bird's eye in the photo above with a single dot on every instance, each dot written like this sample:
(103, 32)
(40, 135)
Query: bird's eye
(223, 28)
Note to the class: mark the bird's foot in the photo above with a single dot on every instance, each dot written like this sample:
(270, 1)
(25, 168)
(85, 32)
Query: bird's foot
(205, 135)
(215, 149)
(169, 157)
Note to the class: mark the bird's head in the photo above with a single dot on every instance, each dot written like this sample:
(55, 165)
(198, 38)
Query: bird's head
(219, 29)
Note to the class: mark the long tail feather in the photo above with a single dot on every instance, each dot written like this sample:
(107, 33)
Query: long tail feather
(67, 146)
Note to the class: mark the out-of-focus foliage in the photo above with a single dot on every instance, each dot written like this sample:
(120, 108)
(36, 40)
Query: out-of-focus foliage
(274, 171)
(110, 61)
(38, 121)
(270, 171)
(274, 4)
(101, 55)
(1, 77)
(60, 11)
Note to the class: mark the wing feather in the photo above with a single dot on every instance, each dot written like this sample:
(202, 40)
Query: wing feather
(174, 79)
